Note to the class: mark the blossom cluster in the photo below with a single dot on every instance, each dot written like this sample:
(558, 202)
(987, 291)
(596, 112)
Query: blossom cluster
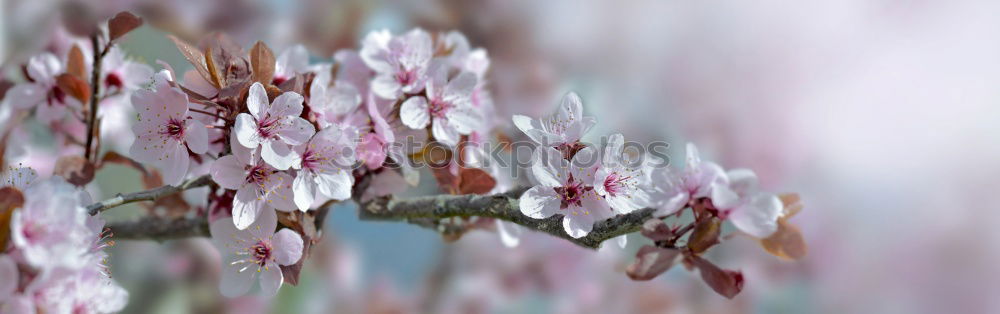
(280, 138)
(55, 262)
(585, 187)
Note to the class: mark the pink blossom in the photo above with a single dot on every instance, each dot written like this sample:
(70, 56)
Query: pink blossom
(672, 191)
(50, 230)
(8, 277)
(332, 99)
(447, 108)
(42, 92)
(121, 74)
(326, 164)
(565, 127)
(259, 187)
(291, 61)
(273, 126)
(402, 62)
(740, 201)
(19, 177)
(620, 185)
(565, 188)
(165, 133)
(253, 253)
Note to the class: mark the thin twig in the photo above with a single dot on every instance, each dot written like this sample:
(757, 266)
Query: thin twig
(95, 85)
(160, 229)
(148, 195)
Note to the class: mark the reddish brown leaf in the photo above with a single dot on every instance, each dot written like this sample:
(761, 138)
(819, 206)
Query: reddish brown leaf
(727, 283)
(75, 64)
(226, 59)
(651, 261)
(262, 61)
(793, 204)
(213, 70)
(74, 86)
(705, 235)
(77, 170)
(475, 181)
(656, 230)
(786, 243)
(194, 56)
(446, 180)
(122, 23)
(10, 199)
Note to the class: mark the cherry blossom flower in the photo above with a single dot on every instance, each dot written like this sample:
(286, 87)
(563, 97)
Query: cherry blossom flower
(620, 185)
(273, 126)
(42, 92)
(447, 108)
(165, 133)
(50, 229)
(402, 62)
(565, 188)
(742, 203)
(19, 177)
(565, 127)
(8, 277)
(672, 191)
(255, 253)
(332, 99)
(122, 74)
(259, 187)
(327, 161)
(291, 61)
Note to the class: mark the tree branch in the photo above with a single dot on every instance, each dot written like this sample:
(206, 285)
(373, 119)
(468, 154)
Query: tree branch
(502, 206)
(148, 195)
(160, 229)
(95, 85)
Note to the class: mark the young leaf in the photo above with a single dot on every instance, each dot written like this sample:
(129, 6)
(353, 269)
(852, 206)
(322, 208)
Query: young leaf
(74, 86)
(194, 56)
(651, 261)
(786, 243)
(76, 169)
(705, 235)
(122, 23)
(656, 230)
(793, 204)
(262, 61)
(75, 64)
(727, 283)
(475, 181)
(10, 199)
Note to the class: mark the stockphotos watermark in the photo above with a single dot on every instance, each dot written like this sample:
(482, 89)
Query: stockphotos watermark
(509, 156)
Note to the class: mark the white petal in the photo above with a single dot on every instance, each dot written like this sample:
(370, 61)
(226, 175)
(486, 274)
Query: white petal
(578, 226)
(246, 131)
(174, 166)
(280, 195)
(539, 202)
(723, 197)
(287, 247)
(246, 206)
(336, 185)
(622, 240)
(414, 112)
(8, 277)
(548, 167)
(279, 155)
(510, 233)
(585, 163)
(444, 133)
(304, 189)
(460, 87)
(286, 104)
(742, 181)
(614, 149)
(759, 217)
(196, 137)
(292, 60)
(27, 95)
(533, 129)
(464, 119)
(228, 172)
(271, 279)
(386, 86)
(257, 101)
(235, 282)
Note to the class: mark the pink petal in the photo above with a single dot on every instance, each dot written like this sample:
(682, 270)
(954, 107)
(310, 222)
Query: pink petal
(246, 131)
(336, 185)
(460, 87)
(414, 112)
(246, 206)
(228, 172)
(548, 167)
(280, 195)
(27, 95)
(759, 217)
(464, 119)
(296, 130)
(287, 246)
(539, 202)
(578, 226)
(305, 190)
(44, 67)
(175, 162)
(286, 104)
(270, 280)
(386, 86)
(444, 133)
(279, 155)
(257, 101)
(8, 277)
(236, 279)
(196, 137)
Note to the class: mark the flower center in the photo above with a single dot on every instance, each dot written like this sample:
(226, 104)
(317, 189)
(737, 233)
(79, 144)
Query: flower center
(174, 129)
(278, 80)
(616, 183)
(311, 158)
(438, 108)
(406, 77)
(260, 252)
(258, 175)
(113, 80)
(268, 127)
(572, 193)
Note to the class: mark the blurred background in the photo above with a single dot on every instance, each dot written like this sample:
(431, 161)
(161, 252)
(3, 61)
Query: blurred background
(883, 115)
